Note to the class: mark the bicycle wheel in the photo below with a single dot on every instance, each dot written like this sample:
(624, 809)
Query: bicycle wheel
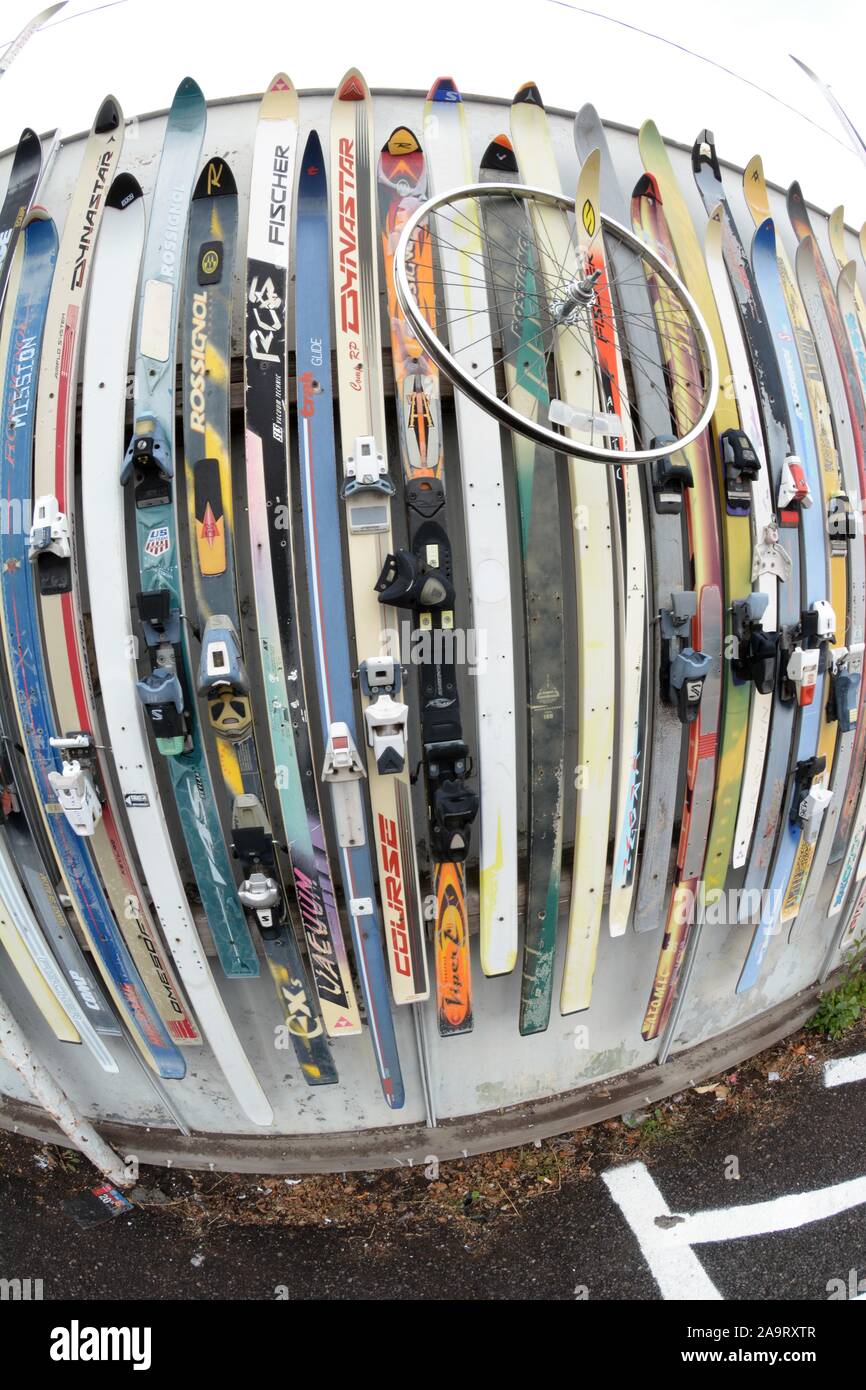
(555, 275)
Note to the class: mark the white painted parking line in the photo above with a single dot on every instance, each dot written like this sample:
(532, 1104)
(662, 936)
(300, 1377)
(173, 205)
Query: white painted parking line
(666, 1238)
(842, 1070)
(676, 1269)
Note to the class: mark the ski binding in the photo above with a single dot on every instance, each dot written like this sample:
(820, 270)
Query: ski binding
(385, 718)
(670, 478)
(453, 805)
(770, 557)
(742, 468)
(149, 458)
(259, 894)
(757, 651)
(75, 786)
(404, 583)
(683, 669)
(223, 679)
(844, 688)
(366, 467)
(793, 488)
(344, 770)
(809, 802)
(49, 546)
(161, 694)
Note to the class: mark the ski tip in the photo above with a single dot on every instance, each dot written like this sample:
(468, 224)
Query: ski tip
(108, 117)
(188, 88)
(313, 161)
(499, 155)
(754, 170)
(528, 95)
(280, 83)
(444, 89)
(646, 187)
(216, 180)
(124, 190)
(26, 140)
(401, 142)
(353, 87)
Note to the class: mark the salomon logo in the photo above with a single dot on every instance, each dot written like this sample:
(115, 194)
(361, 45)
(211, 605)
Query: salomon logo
(693, 691)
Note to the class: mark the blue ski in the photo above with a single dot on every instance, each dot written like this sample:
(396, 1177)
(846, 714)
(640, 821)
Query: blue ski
(27, 664)
(320, 500)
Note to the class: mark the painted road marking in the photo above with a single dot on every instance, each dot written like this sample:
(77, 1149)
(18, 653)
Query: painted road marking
(844, 1069)
(676, 1269)
(666, 1237)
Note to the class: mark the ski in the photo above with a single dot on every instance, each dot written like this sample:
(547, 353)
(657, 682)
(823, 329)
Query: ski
(9, 54)
(20, 192)
(805, 644)
(110, 314)
(692, 628)
(449, 163)
(84, 786)
(421, 579)
(166, 691)
(846, 561)
(343, 769)
(23, 329)
(367, 491)
(812, 273)
(267, 477)
(45, 980)
(822, 366)
(591, 495)
(784, 848)
(222, 679)
(668, 485)
(515, 295)
(629, 562)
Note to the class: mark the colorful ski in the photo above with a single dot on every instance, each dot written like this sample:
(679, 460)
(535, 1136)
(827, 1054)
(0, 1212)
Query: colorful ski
(267, 446)
(668, 484)
(593, 567)
(110, 312)
(449, 164)
(367, 492)
(167, 691)
(686, 663)
(420, 579)
(343, 769)
(515, 296)
(23, 330)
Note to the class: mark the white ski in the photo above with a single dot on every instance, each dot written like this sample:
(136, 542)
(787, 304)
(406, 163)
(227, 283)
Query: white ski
(450, 164)
(105, 359)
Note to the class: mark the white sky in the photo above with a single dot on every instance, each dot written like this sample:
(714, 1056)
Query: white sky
(140, 49)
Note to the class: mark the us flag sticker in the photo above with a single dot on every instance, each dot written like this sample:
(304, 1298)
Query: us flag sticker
(157, 542)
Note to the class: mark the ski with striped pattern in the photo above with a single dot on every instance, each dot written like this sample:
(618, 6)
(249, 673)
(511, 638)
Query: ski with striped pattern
(367, 492)
(343, 769)
(704, 652)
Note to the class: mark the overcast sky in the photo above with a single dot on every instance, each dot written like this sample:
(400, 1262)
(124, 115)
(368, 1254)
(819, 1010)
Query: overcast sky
(139, 50)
